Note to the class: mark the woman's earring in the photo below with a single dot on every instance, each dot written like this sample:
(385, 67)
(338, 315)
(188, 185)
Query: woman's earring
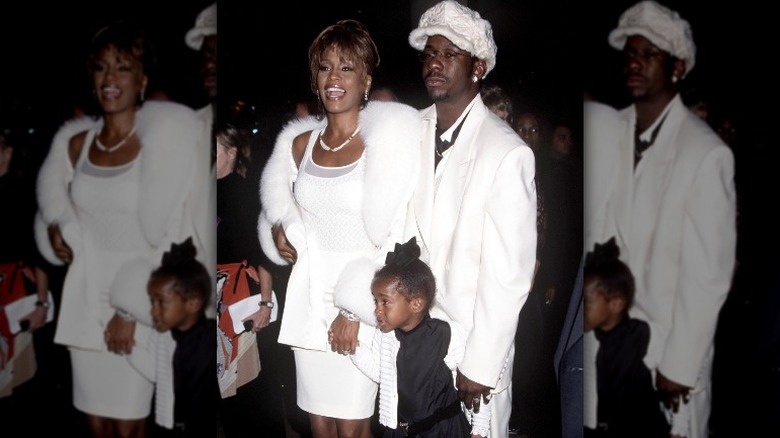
(474, 79)
(674, 79)
(143, 97)
(317, 93)
(365, 95)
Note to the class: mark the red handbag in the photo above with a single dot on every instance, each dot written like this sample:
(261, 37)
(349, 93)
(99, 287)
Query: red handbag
(235, 281)
(17, 280)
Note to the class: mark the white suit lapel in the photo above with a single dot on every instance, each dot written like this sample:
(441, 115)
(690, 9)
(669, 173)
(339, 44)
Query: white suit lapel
(651, 180)
(423, 199)
(623, 187)
(449, 196)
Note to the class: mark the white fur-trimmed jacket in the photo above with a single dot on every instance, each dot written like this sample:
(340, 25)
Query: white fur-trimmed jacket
(391, 133)
(169, 133)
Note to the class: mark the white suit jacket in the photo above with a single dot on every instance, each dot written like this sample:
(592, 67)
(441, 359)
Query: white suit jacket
(478, 236)
(675, 222)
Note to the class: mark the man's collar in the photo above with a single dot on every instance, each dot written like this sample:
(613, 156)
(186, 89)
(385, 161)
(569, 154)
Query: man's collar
(447, 135)
(647, 133)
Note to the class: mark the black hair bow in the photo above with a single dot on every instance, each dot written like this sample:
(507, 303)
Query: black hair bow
(403, 254)
(603, 253)
(180, 253)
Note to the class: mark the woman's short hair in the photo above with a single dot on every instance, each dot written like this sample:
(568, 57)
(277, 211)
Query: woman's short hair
(127, 38)
(353, 42)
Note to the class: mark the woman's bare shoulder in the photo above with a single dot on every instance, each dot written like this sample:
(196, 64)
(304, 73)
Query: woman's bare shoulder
(299, 146)
(75, 145)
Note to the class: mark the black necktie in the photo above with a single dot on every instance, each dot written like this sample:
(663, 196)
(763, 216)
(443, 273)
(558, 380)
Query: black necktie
(443, 145)
(641, 145)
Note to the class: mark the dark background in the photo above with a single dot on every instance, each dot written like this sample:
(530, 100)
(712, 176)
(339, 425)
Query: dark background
(547, 52)
(43, 74)
(263, 55)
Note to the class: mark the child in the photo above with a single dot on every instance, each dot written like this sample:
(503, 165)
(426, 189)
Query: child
(413, 356)
(628, 404)
(180, 289)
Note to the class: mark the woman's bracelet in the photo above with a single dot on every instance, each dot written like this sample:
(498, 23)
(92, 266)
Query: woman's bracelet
(125, 315)
(349, 315)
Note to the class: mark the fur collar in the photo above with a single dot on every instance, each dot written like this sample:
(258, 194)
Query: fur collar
(168, 132)
(56, 171)
(391, 132)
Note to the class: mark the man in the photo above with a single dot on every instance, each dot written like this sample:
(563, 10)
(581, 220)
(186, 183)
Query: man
(474, 207)
(203, 38)
(202, 198)
(670, 202)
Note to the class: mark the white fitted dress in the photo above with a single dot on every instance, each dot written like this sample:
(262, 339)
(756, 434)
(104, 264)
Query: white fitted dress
(106, 200)
(330, 201)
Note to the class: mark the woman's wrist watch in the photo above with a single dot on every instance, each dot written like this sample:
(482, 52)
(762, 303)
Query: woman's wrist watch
(42, 303)
(269, 304)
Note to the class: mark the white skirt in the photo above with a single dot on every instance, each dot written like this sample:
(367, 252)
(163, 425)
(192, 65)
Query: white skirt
(106, 385)
(330, 385)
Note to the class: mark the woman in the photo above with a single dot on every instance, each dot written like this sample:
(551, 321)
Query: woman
(111, 198)
(237, 205)
(335, 191)
(19, 260)
(245, 396)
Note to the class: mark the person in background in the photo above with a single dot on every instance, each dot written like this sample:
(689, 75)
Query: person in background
(529, 126)
(499, 102)
(562, 142)
(383, 94)
(111, 195)
(255, 395)
(17, 190)
(699, 102)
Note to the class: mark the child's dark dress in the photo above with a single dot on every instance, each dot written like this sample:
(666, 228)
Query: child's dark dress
(425, 384)
(628, 405)
(195, 380)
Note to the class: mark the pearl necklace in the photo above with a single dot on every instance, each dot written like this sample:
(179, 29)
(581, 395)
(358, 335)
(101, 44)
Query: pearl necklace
(346, 142)
(121, 143)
